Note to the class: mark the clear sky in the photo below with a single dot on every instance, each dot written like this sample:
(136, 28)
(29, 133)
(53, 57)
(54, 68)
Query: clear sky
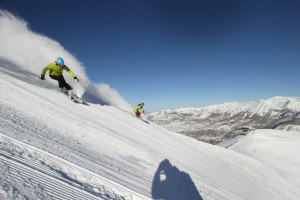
(172, 54)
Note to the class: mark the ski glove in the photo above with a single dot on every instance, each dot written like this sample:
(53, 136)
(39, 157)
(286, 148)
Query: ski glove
(42, 77)
(76, 79)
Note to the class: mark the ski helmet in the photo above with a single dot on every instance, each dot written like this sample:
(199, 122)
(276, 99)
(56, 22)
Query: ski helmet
(60, 61)
(142, 103)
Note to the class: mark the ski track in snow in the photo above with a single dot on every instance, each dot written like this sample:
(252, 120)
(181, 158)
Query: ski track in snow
(41, 134)
(54, 152)
(37, 133)
(34, 132)
(61, 179)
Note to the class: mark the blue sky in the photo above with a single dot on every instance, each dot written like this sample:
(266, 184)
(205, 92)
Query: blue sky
(170, 53)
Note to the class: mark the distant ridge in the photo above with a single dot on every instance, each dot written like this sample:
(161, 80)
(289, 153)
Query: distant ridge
(215, 123)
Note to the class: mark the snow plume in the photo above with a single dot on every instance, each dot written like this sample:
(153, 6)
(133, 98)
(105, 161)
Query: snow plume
(31, 51)
(108, 95)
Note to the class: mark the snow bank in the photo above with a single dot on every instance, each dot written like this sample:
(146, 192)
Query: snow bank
(276, 149)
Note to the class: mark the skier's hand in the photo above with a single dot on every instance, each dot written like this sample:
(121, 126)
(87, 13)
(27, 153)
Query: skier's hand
(143, 111)
(42, 77)
(76, 79)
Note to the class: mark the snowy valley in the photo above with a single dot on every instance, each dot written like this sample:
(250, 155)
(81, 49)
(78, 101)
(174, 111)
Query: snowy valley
(216, 123)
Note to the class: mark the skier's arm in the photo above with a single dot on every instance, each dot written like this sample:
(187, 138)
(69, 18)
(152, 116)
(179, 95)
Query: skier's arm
(45, 70)
(142, 108)
(69, 71)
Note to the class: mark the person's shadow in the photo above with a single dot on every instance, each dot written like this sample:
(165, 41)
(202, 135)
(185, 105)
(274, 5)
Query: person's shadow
(171, 184)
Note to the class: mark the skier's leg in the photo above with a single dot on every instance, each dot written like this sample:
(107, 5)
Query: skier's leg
(54, 77)
(57, 78)
(62, 82)
(138, 114)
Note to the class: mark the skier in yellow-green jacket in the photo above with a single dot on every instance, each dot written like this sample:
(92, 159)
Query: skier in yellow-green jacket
(138, 108)
(56, 72)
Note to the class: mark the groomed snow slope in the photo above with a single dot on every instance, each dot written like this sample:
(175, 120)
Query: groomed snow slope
(277, 149)
(53, 148)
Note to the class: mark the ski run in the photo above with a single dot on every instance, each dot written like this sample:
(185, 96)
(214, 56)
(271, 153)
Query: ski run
(52, 148)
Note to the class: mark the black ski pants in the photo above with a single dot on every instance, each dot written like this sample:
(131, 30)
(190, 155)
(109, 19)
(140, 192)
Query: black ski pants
(61, 82)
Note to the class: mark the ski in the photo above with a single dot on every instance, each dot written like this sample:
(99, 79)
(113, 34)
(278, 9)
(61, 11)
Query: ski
(142, 119)
(73, 97)
(77, 99)
(147, 122)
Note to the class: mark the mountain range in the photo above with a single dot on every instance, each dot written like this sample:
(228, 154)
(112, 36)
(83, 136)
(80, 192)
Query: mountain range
(54, 148)
(215, 123)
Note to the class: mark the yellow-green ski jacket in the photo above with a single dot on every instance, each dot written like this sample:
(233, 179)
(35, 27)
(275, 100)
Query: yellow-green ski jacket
(138, 107)
(57, 70)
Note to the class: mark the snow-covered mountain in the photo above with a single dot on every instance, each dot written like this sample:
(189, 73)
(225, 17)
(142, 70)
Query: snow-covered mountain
(53, 148)
(213, 123)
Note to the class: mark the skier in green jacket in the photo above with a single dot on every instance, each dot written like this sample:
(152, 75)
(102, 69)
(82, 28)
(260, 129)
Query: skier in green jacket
(138, 108)
(56, 72)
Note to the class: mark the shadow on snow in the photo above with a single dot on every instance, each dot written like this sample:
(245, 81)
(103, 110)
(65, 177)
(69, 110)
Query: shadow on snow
(171, 184)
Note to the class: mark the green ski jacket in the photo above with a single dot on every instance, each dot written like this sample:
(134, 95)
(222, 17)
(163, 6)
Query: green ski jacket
(57, 70)
(138, 107)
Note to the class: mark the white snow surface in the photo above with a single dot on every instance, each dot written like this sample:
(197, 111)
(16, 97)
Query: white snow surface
(53, 148)
(274, 148)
